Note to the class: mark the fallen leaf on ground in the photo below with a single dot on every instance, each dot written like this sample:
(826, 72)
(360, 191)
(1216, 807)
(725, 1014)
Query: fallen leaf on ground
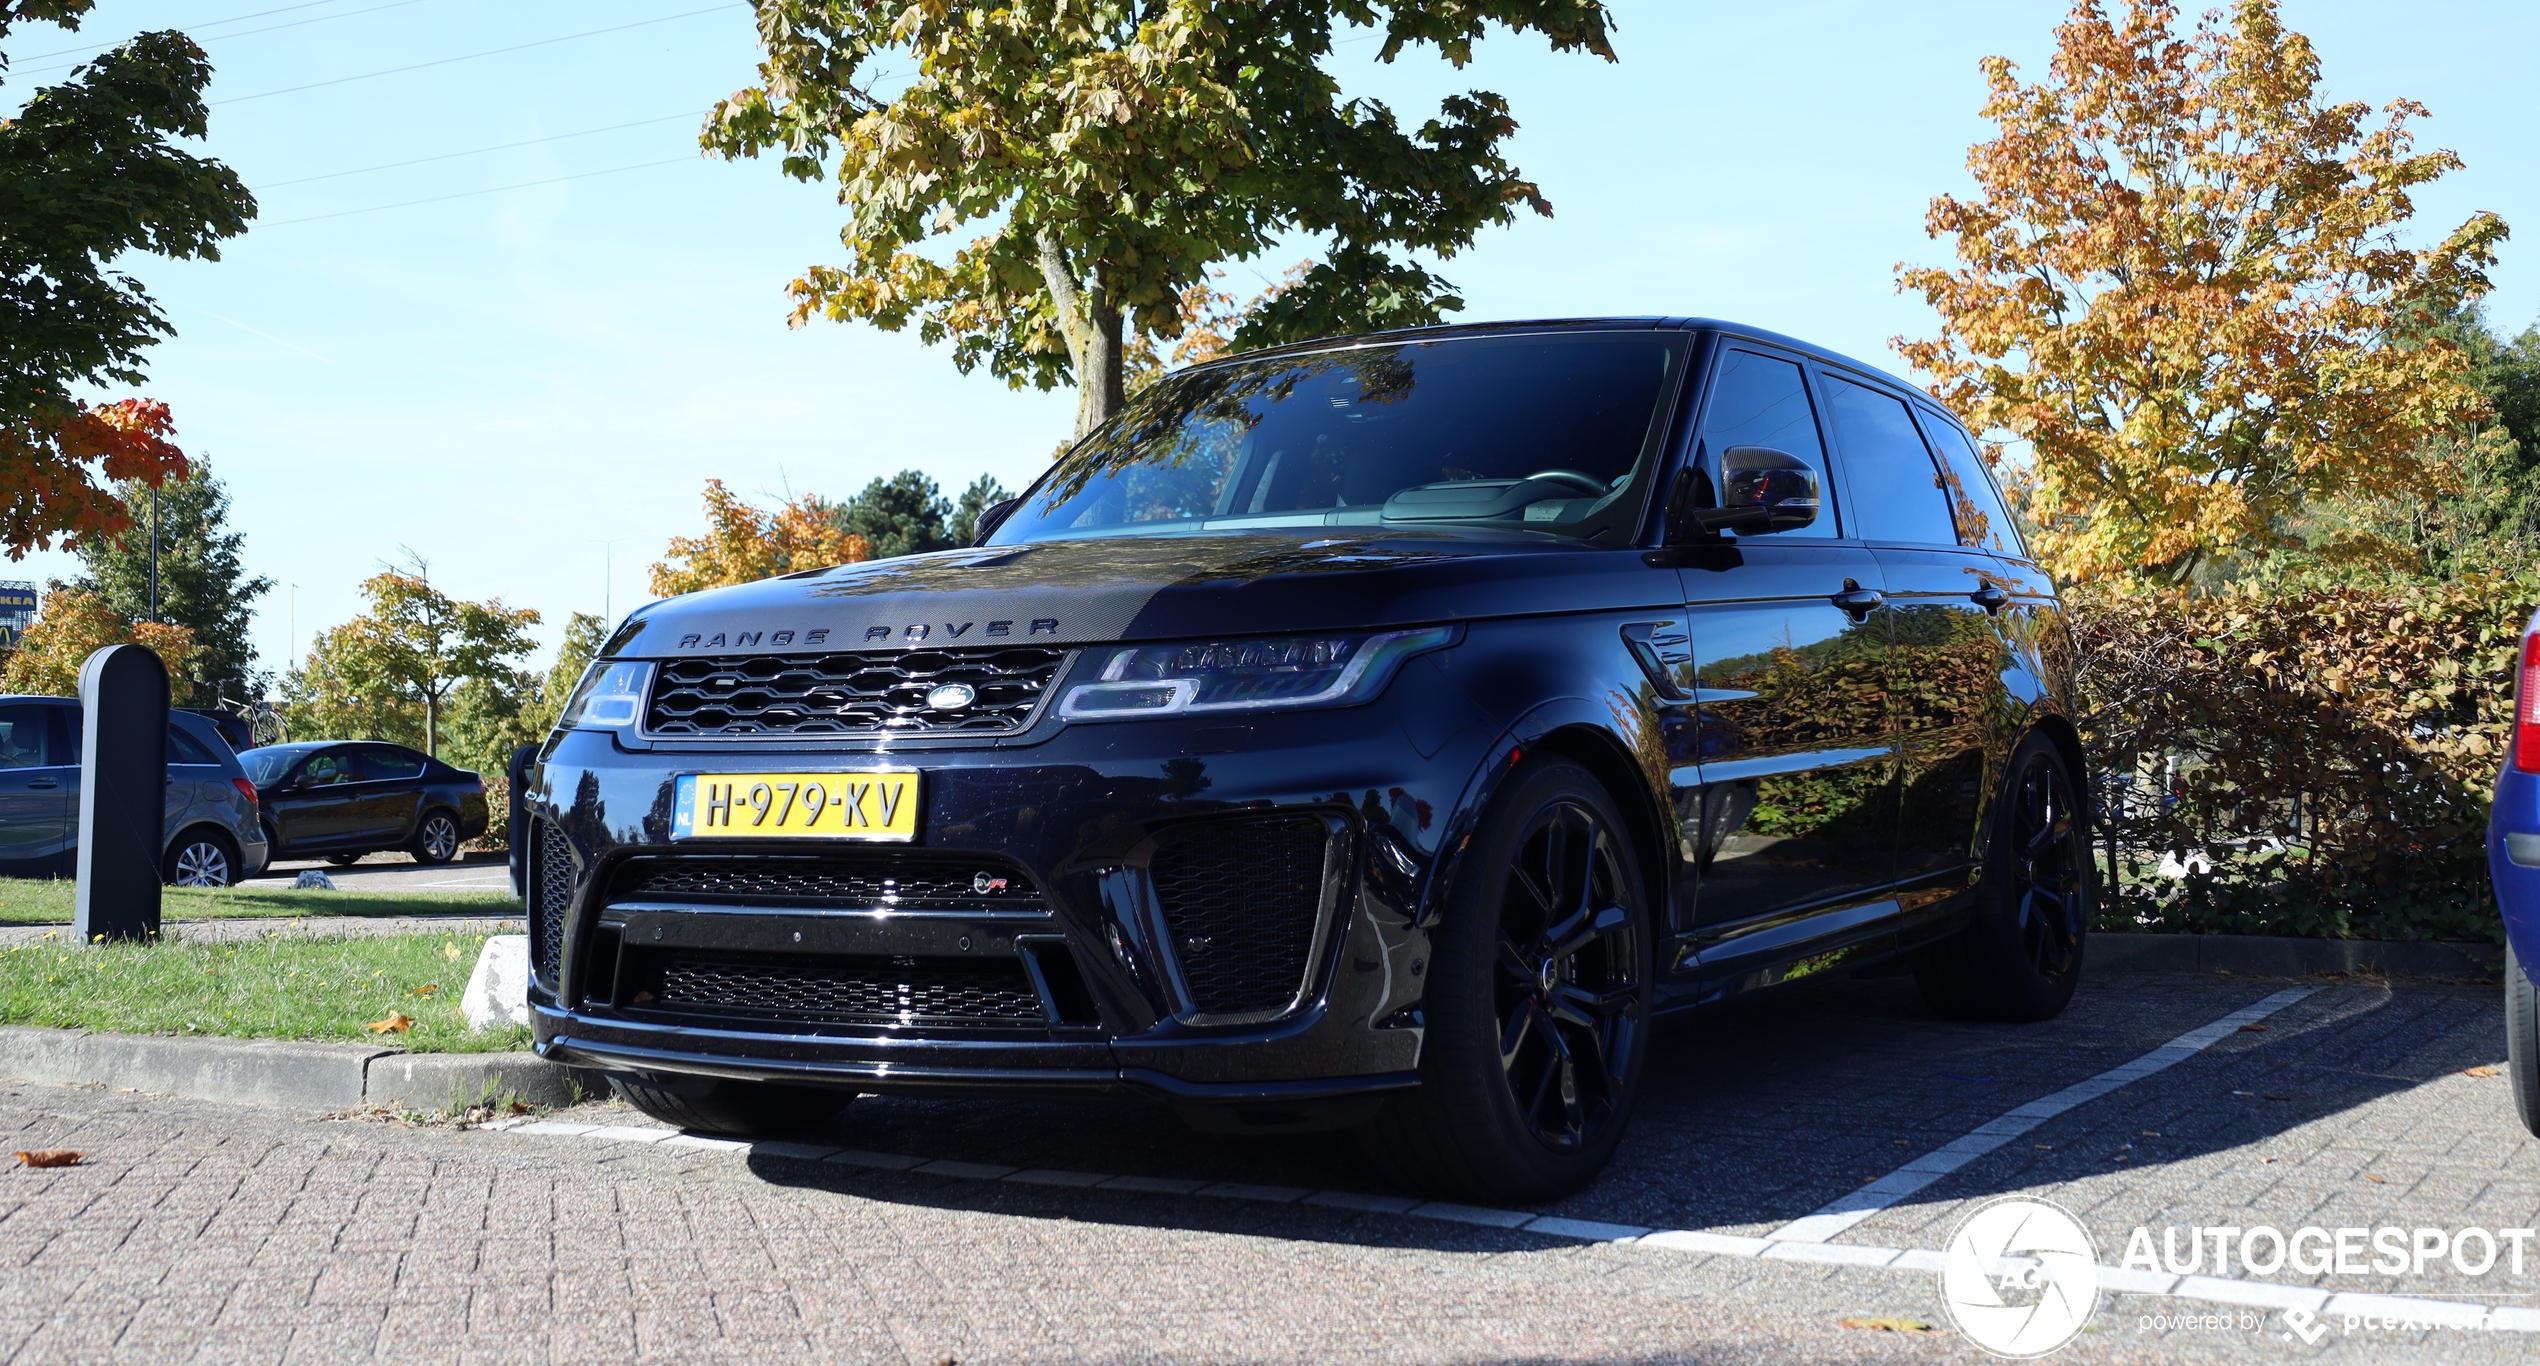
(2376, 1180)
(426, 989)
(450, 951)
(2253, 1029)
(2478, 1072)
(50, 1157)
(398, 1021)
(1890, 1325)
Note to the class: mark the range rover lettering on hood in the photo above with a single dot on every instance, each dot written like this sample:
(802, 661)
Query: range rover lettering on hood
(913, 633)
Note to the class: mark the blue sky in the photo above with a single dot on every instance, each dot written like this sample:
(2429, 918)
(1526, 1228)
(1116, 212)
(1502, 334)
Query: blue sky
(504, 381)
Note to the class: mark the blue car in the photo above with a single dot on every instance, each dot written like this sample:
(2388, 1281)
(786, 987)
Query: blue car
(213, 836)
(2513, 860)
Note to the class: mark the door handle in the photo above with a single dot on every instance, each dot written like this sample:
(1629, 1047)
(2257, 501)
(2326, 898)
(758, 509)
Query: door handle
(42, 784)
(1860, 602)
(1990, 597)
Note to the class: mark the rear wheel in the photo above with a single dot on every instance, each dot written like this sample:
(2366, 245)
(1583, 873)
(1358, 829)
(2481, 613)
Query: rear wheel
(201, 858)
(2522, 1040)
(743, 1109)
(344, 860)
(1537, 1004)
(437, 839)
(2020, 956)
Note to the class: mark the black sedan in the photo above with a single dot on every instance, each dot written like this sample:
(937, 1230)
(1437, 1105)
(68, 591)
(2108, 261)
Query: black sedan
(339, 800)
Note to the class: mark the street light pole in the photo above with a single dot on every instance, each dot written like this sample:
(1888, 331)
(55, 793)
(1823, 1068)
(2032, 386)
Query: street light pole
(154, 553)
(608, 576)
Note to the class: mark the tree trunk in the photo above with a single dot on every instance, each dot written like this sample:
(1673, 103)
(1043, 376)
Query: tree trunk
(1091, 324)
(432, 724)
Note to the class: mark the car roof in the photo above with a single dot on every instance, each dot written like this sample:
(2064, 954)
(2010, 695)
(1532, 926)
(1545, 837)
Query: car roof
(1522, 326)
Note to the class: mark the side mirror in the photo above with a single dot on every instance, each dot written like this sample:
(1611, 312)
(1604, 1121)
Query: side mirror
(991, 517)
(1765, 489)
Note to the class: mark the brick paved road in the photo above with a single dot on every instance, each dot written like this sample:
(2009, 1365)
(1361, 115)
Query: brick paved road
(200, 1231)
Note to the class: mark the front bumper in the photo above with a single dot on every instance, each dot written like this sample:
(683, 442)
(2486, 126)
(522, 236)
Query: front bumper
(1090, 817)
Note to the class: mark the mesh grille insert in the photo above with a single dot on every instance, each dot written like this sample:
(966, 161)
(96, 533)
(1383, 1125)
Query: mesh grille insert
(850, 990)
(550, 896)
(850, 694)
(1240, 898)
(863, 879)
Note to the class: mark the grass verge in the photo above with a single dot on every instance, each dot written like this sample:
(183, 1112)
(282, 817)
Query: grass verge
(270, 988)
(48, 901)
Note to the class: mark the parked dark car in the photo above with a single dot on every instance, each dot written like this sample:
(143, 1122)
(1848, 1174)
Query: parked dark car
(213, 839)
(1375, 732)
(339, 800)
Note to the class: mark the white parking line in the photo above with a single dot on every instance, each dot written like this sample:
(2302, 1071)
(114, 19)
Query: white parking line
(1949, 1157)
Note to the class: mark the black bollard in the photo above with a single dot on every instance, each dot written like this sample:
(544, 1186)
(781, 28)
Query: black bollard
(123, 792)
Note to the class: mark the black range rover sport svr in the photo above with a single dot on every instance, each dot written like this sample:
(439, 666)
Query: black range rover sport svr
(1375, 732)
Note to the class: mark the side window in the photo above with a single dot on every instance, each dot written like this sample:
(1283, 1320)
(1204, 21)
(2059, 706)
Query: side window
(327, 768)
(1760, 400)
(22, 737)
(185, 749)
(1983, 520)
(382, 764)
(1896, 490)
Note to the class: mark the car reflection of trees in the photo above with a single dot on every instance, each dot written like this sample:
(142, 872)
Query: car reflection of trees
(1807, 698)
(1953, 716)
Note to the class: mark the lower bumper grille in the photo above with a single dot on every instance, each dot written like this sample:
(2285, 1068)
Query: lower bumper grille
(863, 879)
(1242, 898)
(550, 897)
(869, 991)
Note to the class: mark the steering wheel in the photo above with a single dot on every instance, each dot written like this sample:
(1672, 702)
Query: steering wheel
(1583, 482)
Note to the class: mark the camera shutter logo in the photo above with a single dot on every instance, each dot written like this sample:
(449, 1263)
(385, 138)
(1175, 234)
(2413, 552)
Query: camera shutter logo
(2020, 1277)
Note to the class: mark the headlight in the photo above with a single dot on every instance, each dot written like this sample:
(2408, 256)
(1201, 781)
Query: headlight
(1247, 675)
(610, 696)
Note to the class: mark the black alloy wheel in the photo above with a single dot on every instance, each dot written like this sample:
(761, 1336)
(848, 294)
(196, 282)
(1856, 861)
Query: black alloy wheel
(438, 839)
(2020, 956)
(1569, 988)
(200, 858)
(1537, 1003)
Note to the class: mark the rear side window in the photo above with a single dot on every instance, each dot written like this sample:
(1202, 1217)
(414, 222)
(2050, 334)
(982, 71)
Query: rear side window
(383, 764)
(327, 768)
(1896, 490)
(1760, 400)
(185, 749)
(1983, 521)
(22, 731)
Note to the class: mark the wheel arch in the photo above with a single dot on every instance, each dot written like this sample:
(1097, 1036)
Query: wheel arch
(227, 841)
(1619, 774)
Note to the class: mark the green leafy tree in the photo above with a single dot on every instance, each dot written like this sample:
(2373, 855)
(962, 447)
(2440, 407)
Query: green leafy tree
(984, 492)
(88, 175)
(902, 515)
(493, 714)
(380, 674)
(1113, 151)
(202, 584)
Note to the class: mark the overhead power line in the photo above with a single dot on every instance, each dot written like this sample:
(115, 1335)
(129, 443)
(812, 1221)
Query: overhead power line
(470, 194)
(225, 37)
(476, 151)
(472, 56)
(208, 23)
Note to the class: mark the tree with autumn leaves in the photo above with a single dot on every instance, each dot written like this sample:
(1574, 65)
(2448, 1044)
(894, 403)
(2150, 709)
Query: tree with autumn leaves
(88, 176)
(2180, 284)
(1112, 153)
(391, 673)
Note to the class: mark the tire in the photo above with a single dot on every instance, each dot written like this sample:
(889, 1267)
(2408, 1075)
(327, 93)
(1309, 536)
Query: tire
(2522, 1040)
(1545, 940)
(200, 857)
(344, 860)
(743, 1109)
(437, 839)
(2020, 956)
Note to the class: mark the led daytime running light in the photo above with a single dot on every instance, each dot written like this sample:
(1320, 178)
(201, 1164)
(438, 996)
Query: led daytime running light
(1176, 680)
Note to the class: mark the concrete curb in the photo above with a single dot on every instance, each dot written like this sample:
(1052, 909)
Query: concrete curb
(287, 1074)
(2273, 956)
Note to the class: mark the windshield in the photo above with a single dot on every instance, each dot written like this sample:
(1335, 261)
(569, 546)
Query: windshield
(1549, 432)
(265, 765)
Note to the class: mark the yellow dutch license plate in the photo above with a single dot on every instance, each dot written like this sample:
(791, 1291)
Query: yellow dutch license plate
(855, 806)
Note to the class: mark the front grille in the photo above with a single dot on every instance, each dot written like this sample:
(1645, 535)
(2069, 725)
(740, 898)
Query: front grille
(851, 694)
(1241, 898)
(550, 896)
(887, 991)
(861, 880)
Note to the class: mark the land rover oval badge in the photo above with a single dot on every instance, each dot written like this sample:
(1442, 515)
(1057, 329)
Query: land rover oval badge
(951, 696)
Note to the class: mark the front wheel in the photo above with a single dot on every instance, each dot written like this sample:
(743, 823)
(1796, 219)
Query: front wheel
(438, 839)
(743, 1109)
(2522, 1040)
(2019, 957)
(1537, 1003)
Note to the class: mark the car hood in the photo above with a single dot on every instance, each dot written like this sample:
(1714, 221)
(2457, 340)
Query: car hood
(1151, 588)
